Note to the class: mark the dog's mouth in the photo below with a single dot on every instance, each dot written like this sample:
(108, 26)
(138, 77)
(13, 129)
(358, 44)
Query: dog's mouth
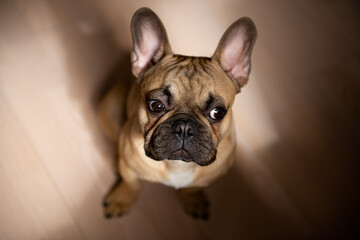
(182, 137)
(181, 154)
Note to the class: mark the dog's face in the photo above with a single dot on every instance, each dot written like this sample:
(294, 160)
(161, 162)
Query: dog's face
(186, 101)
(186, 109)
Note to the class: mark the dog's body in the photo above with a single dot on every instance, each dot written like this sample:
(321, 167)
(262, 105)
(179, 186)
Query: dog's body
(178, 129)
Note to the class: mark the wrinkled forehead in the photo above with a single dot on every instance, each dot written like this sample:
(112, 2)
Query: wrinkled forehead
(189, 79)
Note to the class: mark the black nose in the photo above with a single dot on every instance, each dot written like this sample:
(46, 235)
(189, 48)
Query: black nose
(184, 128)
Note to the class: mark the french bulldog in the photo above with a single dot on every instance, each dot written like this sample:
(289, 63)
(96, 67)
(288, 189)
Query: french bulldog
(177, 129)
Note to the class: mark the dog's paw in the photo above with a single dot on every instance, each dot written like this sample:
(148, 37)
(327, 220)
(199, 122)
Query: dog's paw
(195, 203)
(114, 209)
(198, 209)
(119, 200)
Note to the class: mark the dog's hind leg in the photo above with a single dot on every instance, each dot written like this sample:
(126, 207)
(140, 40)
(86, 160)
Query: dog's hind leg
(112, 111)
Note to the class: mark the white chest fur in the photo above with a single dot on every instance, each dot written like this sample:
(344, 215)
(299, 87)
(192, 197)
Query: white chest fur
(181, 174)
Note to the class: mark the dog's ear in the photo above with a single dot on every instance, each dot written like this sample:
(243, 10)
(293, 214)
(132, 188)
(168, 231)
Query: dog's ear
(150, 41)
(234, 50)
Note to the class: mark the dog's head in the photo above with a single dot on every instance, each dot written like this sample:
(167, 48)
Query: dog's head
(186, 101)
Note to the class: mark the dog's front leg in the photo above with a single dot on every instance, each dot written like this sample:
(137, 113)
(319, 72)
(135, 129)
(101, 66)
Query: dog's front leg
(194, 202)
(123, 194)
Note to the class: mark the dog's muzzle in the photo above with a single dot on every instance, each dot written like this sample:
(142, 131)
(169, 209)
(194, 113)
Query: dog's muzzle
(182, 137)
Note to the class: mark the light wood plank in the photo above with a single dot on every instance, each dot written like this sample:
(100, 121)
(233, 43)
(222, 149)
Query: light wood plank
(31, 205)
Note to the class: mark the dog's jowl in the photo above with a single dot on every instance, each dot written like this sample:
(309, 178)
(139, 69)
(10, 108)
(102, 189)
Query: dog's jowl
(178, 128)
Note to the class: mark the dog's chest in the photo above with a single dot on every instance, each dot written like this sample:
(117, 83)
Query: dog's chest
(180, 174)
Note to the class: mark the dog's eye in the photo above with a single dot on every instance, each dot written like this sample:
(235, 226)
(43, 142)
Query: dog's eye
(156, 106)
(217, 113)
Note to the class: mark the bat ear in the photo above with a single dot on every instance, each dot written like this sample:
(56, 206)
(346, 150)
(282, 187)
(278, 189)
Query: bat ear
(150, 41)
(234, 50)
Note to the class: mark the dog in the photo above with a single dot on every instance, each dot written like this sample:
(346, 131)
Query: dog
(178, 127)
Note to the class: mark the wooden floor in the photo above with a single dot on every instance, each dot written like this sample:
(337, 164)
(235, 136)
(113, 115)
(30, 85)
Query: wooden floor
(296, 174)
